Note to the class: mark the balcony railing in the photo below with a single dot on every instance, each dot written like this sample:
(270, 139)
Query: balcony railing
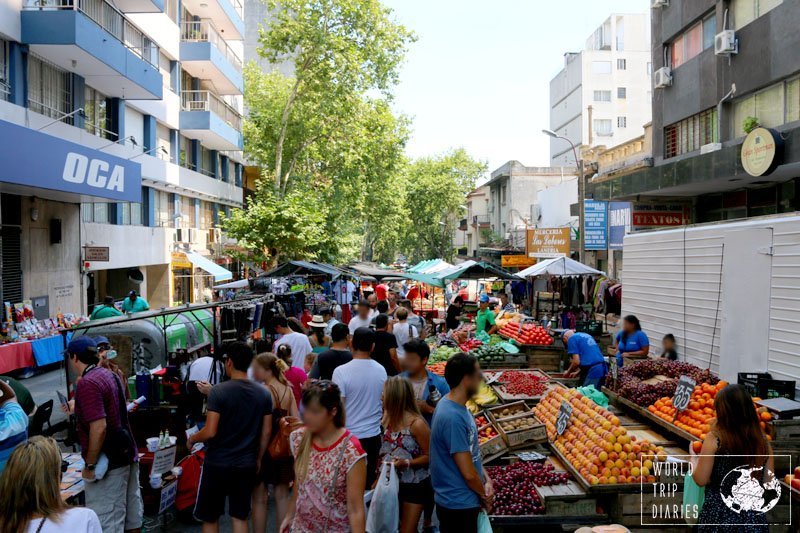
(208, 101)
(204, 31)
(107, 17)
(237, 6)
(480, 220)
(5, 90)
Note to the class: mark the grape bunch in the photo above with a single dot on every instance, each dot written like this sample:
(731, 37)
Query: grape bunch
(515, 487)
(630, 382)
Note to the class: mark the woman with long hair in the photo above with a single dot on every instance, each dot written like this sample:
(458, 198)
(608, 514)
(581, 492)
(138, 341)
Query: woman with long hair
(278, 472)
(316, 336)
(631, 340)
(406, 441)
(295, 376)
(330, 468)
(30, 496)
(735, 440)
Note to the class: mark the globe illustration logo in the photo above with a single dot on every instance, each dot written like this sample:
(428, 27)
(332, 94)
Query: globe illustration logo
(750, 489)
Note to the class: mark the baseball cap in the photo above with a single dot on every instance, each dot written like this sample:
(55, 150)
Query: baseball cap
(99, 339)
(484, 299)
(132, 293)
(81, 345)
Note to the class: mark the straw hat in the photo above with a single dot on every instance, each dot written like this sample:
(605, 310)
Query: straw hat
(317, 322)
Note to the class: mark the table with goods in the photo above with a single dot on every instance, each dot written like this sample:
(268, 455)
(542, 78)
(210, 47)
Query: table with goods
(542, 350)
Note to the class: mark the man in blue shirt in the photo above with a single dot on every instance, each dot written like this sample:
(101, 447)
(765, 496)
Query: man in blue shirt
(460, 484)
(586, 360)
(134, 303)
(414, 363)
(13, 423)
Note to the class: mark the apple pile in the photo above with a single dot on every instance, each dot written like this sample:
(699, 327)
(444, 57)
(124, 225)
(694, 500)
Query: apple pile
(594, 442)
(630, 380)
(486, 431)
(515, 487)
(528, 334)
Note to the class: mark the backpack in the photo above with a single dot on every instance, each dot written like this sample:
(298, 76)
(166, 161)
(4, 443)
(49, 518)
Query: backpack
(189, 481)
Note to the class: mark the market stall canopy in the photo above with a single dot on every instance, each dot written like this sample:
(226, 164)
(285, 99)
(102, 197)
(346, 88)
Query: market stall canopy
(366, 269)
(429, 266)
(219, 273)
(292, 268)
(559, 266)
(238, 284)
(474, 270)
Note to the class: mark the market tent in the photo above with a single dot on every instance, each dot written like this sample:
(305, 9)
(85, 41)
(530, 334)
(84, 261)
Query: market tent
(429, 266)
(219, 273)
(292, 268)
(375, 271)
(474, 270)
(238, 284)
(559, 266)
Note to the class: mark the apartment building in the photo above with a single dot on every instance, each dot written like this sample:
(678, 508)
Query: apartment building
(602, 95)
(121, 147)
(472, 230)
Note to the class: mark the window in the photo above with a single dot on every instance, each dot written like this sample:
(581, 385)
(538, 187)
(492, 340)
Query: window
(649, 68)
(5, 88)
(206, 215)
(601, 67)
(692, 42)
(622, 93)
(503, 190)
(622, 122)
(206, 161)
(96, 120)
(49, 89)
(136, 213)
(773, 106)
(161, 208)
(186, 152)
(691, 133)
(602, 96)
(602, 127)
(101, 213)
(709, 30)
(622, 64)
(171, 9)
(189, 213)
(620, 41)
(746, 11)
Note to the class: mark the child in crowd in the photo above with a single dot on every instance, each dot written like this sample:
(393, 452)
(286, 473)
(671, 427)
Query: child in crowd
(308, 364)
(668, 347)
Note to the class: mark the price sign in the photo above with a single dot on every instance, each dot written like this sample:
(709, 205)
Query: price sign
(564, 413)
(683, 393)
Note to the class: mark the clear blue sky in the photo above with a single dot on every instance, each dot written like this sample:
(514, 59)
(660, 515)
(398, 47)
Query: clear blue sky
(479, 74)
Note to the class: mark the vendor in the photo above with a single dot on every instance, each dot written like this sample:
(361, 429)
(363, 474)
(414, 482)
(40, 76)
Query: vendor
(505, 304)
(631, 340)
(484, 320)
(453, 312)
(586, 360)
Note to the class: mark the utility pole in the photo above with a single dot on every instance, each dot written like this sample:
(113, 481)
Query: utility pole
(581, 194)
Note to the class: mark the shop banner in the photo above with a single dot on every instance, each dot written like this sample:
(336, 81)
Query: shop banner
(619, 223)
(36, 159)
(595, 225)
(516, 261)
(541, 243)
(660, 215)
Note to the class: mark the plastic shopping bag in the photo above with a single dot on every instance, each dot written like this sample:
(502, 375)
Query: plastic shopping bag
(384, 510)
(693, 498)
(484, 526)
(595, 395)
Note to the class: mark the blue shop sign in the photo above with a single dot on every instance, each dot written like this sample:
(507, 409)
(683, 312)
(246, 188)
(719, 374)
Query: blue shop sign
(619, 223)
(36, 159)
(595, 225)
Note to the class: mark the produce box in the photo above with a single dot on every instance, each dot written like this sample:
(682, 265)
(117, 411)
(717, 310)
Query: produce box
(515, 385)
(505, 411)
(522, 429)
(490, 440)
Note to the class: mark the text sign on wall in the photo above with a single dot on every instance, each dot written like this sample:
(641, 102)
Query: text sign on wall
(595, 225)
(96, 253)
(660, 215)
(619, 223)
(547, 242)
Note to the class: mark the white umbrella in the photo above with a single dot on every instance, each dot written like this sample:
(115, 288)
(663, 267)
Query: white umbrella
(558, 266)
(240, 284)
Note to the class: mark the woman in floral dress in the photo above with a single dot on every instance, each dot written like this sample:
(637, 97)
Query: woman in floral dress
(330, 468)
(405, 442)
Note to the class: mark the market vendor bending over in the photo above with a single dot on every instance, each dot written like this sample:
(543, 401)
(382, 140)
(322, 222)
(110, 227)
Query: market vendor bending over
(586, 359)
(484, 320)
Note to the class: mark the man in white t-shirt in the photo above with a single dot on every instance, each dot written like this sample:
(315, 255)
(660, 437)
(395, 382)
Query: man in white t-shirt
(403, 332)
(363, 319)
(361, 383)
(201, 370)
(298, 342)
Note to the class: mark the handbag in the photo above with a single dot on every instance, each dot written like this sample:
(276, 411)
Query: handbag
(693, 497)
(384, 510)
(278, 447)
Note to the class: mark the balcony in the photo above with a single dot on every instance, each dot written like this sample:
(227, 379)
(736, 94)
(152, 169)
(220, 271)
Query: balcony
(207, 118)
(140, 6)
(206, 55)
(96, 41)
(228, 15)
(462, 225)
(480, 221)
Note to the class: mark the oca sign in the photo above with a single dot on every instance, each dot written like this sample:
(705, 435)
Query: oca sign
(94, 172)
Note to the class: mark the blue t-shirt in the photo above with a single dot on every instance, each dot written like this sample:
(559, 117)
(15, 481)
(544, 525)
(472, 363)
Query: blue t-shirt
(453, 431)
(586, 347)
(635, 342)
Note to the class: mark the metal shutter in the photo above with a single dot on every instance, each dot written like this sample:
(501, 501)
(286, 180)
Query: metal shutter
(12, 264)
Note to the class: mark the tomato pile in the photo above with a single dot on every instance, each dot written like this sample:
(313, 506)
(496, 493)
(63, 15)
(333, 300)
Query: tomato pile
(528, 334)
(469, 345)
(518, 383)
(515, 487)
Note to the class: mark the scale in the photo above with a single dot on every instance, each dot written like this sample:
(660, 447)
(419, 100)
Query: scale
(784, 408)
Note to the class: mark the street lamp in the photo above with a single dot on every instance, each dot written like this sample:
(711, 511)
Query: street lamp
(581, 185)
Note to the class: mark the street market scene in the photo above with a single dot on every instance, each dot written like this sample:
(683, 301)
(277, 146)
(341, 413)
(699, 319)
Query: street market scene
(278, 266)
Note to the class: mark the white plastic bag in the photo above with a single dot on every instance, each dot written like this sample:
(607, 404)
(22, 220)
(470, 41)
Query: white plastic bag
(384, 510)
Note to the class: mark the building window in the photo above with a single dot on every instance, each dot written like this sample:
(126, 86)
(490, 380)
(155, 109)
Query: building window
(101, 213)
(189, 212)
(206, 161)
(689, 45)
(49, 89)
(691, 133)
(96, 119)
(622, 64)
(186, 152)
(602, 127)
(206, 215)
(622, 93)
(171, 9)
(746, 11)
(601, 67)
(649, 68)
(161, 208)
(5, 87)
(602, 96)
(773, 106)
(622, 122)
(136, 213)
(503, 194)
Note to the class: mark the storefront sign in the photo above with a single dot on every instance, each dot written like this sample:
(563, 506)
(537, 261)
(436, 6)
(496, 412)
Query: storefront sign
(96, 253)
(619, 223)
(179, 260)
(595, 225)
(660, 215)
(36, 159)
(761, 151)
(516, 261)
(547, 242)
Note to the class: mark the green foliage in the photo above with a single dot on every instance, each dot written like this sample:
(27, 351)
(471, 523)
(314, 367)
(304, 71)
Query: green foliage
(749, 124)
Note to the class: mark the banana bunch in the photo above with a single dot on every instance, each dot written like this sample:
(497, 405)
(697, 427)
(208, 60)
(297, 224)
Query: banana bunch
(473, 407)
(485, 396)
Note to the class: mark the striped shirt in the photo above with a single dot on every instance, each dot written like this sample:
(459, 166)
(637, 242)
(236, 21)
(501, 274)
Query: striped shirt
(13, 429)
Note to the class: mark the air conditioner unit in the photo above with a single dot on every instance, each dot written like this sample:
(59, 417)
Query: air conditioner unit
(726, 43)
(663, 78)
(660, 3)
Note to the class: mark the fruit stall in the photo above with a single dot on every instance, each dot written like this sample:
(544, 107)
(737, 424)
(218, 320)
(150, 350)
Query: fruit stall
(540, 348)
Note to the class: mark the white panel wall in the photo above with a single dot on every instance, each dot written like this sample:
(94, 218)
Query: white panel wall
(10, 19)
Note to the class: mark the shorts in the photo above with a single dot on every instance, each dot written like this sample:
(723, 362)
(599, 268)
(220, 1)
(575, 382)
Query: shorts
(458, 520)
(219, 483)
(277, 471)
(116, 499)
(417, 493)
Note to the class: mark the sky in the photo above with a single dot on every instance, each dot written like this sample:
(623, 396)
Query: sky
(479, 74)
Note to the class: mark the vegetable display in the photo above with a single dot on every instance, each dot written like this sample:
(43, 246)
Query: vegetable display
(442, 354)
(488, 353)
(515, 487)
(595, 444)
(520, 383)
(530, 334)
(470, 344)
(631, 381)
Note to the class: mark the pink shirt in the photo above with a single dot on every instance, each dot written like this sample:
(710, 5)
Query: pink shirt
(296, 377)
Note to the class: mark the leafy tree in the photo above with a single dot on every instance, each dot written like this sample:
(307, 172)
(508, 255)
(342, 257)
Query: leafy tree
(340, 50)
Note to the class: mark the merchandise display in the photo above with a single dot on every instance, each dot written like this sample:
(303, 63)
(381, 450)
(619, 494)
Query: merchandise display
(520, 384)
(644, 382)
(515, 487)
(527, 334)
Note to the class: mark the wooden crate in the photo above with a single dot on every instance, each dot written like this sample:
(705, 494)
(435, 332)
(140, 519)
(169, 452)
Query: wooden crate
(569, 499)
(514, 408)
(498, 390)
(522, 437)
(494, 447)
